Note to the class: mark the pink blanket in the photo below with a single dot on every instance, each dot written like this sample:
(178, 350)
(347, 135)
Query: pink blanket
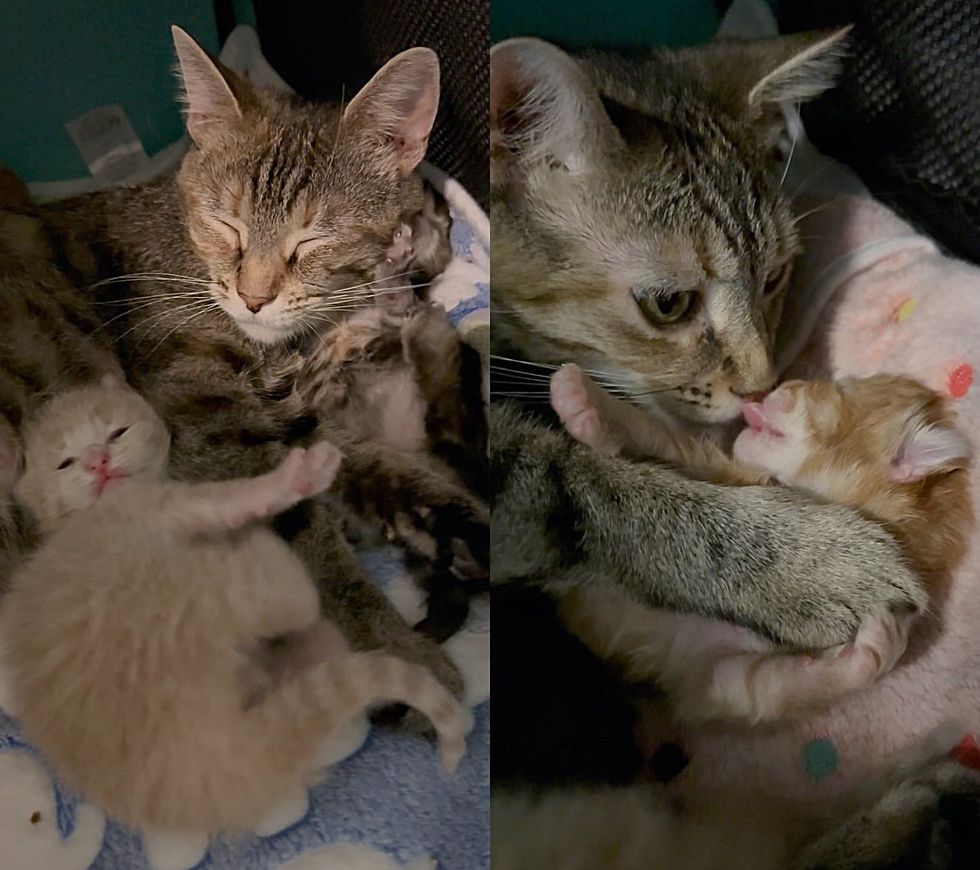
(871, 295)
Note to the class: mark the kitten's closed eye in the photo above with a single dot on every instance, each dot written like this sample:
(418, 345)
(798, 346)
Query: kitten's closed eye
(66, 463)
(118, 433)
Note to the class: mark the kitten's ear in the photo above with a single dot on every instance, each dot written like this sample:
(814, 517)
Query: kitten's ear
(544, 108)
(399, 104)
(927, 448)
(212, 106)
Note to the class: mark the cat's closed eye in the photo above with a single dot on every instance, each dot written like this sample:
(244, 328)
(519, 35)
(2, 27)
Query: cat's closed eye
(65, 463)
(777, 279)
(664, 310)
(118, 433)
(304, 247)
(233, 231)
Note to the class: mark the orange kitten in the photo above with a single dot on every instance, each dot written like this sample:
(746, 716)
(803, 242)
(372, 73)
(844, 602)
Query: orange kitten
(886, 445)
(144, 639)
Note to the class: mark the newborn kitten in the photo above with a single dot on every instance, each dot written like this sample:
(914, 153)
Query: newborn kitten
(165, 649)
(407, 381)
(420, 248)
(884, 444)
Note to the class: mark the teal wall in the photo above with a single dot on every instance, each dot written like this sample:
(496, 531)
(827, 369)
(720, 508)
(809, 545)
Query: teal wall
(610, 22)
(60, 58)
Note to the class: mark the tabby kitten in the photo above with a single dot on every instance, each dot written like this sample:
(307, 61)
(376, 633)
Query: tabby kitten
(409, 382)
(271, 232)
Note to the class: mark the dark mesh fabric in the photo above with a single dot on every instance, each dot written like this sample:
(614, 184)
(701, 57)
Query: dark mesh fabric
(324, 48)
(906, 114)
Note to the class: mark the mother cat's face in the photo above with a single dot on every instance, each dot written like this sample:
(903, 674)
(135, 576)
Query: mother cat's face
(292, 205)
(638, 225)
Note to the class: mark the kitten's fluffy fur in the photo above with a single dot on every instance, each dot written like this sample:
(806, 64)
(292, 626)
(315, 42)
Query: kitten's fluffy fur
(884, 444)
(142, 639)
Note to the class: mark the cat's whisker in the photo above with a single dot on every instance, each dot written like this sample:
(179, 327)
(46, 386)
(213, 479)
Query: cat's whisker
(156, 318)
(184, 322)
(792, 151)
(325, 287)
(162, 277)
(517, 374)
(133, 308)
(524, 362)
(156, 297)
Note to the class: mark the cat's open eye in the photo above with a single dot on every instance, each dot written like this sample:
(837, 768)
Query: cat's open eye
(65, 463)
(664, 310)
(118, 433)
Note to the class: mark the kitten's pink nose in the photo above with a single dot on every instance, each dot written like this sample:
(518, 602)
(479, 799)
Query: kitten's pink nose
(97, 462)
(254, 303)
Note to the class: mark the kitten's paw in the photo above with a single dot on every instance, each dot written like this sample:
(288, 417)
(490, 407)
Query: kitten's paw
(880, 643)
(575, 400)
(320, 466)
(306, 472)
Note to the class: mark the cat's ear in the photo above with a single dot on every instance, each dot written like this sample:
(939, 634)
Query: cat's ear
(544, 109)
(928, 448)
(793, 68)
(399, 106)
(212, 105)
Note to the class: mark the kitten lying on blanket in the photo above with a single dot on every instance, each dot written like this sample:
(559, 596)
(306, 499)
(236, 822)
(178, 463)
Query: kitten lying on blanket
(165, 649)
(407, 381)
(884, 444)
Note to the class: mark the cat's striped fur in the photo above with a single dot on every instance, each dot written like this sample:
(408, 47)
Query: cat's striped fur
(171, 267)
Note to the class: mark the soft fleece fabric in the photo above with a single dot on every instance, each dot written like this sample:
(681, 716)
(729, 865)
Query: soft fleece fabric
(870, 295)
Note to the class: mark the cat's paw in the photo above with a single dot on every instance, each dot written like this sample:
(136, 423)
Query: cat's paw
(575, 399)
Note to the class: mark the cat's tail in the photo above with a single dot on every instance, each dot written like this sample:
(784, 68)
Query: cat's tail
(332, 692)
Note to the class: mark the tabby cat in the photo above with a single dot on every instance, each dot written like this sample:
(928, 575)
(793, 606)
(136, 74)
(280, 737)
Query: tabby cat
(215, 281)
(639, 230)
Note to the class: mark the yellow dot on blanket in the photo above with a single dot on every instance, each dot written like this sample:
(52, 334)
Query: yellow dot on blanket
(904, 311)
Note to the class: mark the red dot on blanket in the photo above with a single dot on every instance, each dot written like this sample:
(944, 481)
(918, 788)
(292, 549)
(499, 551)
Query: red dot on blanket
(967, 753)
(960, 380)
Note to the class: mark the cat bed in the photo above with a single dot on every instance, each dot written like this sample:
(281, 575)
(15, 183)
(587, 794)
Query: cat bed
(384, 803)
(869, 295)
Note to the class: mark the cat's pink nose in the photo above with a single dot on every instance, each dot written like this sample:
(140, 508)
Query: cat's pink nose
(99, 462)
(254, 303)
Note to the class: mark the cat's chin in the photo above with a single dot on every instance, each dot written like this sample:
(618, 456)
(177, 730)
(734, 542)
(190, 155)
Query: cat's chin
(263, 333)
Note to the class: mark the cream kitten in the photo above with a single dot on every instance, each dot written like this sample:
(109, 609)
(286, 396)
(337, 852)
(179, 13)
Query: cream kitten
(884, 444)
(165, 649)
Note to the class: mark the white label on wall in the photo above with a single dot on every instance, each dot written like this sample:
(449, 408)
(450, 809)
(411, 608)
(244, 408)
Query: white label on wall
(108, 143)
